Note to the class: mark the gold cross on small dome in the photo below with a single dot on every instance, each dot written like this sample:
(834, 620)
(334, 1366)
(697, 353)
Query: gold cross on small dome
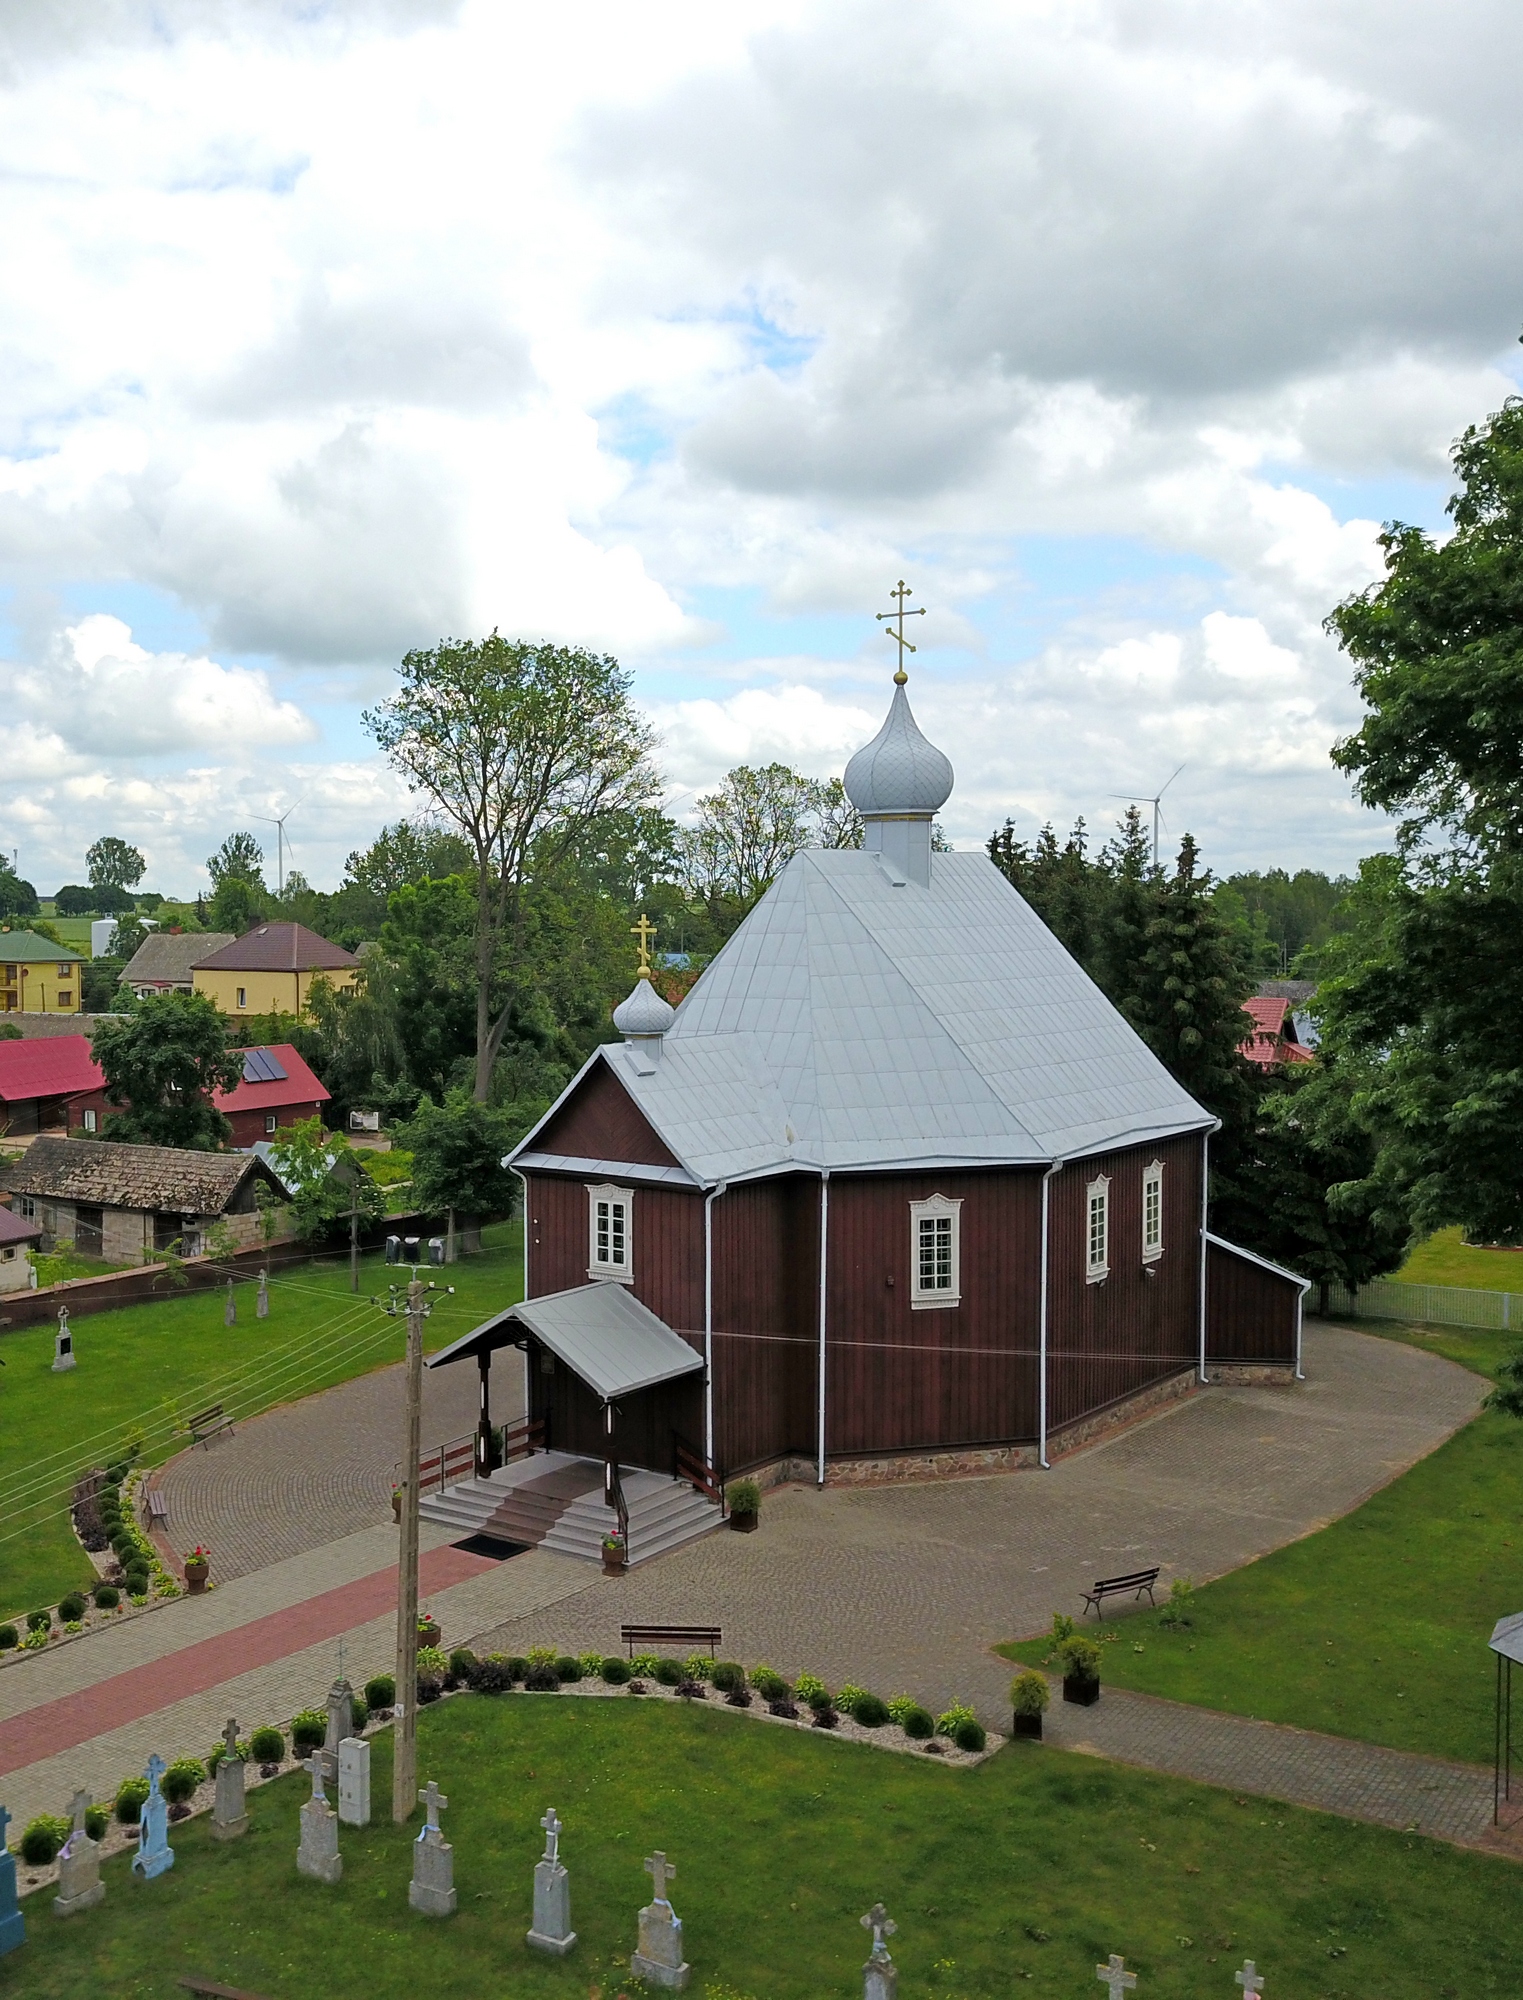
(896, 633)
(645, 930)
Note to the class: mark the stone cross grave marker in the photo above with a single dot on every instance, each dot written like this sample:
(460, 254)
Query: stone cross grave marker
(318, 1855)
(1116, 1976)
(354, 1781)
(79, 1883)
(12, 1923)
(229, 1818)
(340, 1723)
(262, 1301)
(1249, 1978)
(63, 1344)
(230, 1310)
(433, 1861)
(659, 1960)
(880, 1975)
(552, 1930)
(154, 1854)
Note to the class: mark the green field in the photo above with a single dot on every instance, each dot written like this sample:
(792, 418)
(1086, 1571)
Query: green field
(143, 1369)
(75, 931)
(1376, 1626)
(1020, 1875)
(1446, 1259)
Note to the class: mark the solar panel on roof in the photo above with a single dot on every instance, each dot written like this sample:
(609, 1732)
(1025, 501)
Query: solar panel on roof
(259, 1066)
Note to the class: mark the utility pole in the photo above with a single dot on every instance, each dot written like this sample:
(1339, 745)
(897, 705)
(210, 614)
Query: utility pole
(404, 1770)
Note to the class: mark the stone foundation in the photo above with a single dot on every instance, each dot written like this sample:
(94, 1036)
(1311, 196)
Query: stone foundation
(1117, 1416)
(1276, 1374)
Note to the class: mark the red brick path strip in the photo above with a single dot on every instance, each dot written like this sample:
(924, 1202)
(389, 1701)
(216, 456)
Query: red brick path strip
(58, 1725)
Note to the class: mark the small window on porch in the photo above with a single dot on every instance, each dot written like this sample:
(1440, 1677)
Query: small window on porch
(1152, 1212)
(1097, 1209)
(610, 1252)
(935, 1252)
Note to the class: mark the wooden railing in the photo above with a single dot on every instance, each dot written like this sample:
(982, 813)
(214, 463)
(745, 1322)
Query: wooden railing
(691, 1466)
(446, 1462)
(520, 1440)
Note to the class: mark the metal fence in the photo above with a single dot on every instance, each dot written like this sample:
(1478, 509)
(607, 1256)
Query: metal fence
(1436, 1305)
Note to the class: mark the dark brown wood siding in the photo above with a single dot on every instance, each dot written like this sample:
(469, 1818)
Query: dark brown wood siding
(643, 1424)
(898, 1379)
(1252, 1315)
(766, 1288)
(1141, 1324)
(600, 1121)
(666, 1243)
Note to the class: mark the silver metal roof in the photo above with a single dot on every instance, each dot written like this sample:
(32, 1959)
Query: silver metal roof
(1507, 1639)
(600, 1331)
(900, 771)
(857, 1020)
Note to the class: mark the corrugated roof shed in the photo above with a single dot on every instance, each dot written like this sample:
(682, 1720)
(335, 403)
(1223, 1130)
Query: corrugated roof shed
(147, 1177)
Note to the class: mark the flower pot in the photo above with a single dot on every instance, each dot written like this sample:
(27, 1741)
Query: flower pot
(615, 1562)
(196, 1574)
(428, 1632)
(1084, 1693)
(744, 1524)
(396, 1506)
(1028, 1725)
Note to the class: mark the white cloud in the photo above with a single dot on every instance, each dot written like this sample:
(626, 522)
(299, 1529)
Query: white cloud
(786, 724)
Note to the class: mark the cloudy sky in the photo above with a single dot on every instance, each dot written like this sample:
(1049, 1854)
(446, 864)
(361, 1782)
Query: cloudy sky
(685, 331)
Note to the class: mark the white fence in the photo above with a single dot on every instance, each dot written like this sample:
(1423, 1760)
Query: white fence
(1437, 1305)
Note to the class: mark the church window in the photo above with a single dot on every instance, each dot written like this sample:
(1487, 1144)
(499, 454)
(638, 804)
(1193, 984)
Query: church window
(935, 1252)
(610, 1251)
(1098, 1230)
(1152, 1212)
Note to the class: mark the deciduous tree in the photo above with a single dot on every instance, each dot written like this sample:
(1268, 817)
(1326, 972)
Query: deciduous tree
(113, 863)
(163, 1064)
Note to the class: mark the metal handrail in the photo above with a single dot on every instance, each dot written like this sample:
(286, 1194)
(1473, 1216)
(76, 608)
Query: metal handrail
(689, 1464)
(620, 1507)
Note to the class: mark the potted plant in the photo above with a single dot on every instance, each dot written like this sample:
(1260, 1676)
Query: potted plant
(1081, 1671)
(743, 1497)
(428, 1630)
(615, 1554)
(396, 1503)
(197, 1569)
(1029, 1696)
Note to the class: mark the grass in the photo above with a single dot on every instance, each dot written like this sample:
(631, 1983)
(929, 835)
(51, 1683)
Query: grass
(74, 931)
(58, 1265)
(1446, 1259)
(141, 1370)
(1376, 1626)
(1025, 1872)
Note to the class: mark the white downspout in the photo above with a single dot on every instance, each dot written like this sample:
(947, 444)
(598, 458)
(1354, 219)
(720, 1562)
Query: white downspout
(523, 1180)
(824, 1236)
(708, 1321)
(1300, 1313)
(1041, 1447)
(1205, 1188)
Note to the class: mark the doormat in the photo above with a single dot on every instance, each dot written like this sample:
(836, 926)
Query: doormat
(492, 1546)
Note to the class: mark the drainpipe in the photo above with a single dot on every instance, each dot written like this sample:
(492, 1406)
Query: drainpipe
(1205, 1184)
(523, 1181)
(819, 1473)
(1041, 1447)
(1300, 1311)
(708, 1320)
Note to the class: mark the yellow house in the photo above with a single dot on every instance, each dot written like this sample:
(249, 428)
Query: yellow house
(270, 971)
(37, 976)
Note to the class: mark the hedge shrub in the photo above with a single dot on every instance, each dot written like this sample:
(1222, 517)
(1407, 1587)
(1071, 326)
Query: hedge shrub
(267, 1745)
(616, 1671)
(107, 1596)
(309, 1730)
(729, 1676)
(181, 1779)
(43, 1838)
(130, 1797)
(71, 1608)
(9, 1637)
(381, 1691)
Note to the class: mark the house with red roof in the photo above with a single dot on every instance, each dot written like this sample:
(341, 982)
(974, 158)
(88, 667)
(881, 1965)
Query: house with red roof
(38, 1081)
(57, 1086)
(1274, 1043)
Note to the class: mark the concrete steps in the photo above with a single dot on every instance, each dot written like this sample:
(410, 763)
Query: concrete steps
(663, 1513)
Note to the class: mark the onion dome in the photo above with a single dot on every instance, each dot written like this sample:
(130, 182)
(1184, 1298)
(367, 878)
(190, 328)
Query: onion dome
(899, 771)
(644, 1013)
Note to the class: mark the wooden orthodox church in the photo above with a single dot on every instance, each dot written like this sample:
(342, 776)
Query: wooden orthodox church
(895, 1190)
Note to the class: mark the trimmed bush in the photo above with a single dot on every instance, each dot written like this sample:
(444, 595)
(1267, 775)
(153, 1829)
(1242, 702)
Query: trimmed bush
(959, 1712)
(461, 1660)
(669, 1673)
(130, 1795)
(542, 1680)
(1080, 1658)
(769, 1684)
(1029, 1692)
(97, 1819)
(568, 1668)
(39, 1621)
(107, 1596)
(71, 1608)
(43, 1838)
(361, 1713)
(492, 1675)
(267, 1745)
(181, 1779)
(616, 1672)
(517, 1666)
(729, 1676)
(115, 1474)
(918, 1722)
(9, 1637)
(381, 1691)
(970, 1734)
(309, 1729)
(743, 1496)
(870, 1710)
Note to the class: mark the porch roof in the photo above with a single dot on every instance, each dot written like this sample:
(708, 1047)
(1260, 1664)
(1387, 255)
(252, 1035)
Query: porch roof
(1507, 1639)
(600, 1331)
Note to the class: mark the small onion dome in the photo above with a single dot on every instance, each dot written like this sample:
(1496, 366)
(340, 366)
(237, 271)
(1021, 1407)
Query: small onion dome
(644, 1012)
(899, 771)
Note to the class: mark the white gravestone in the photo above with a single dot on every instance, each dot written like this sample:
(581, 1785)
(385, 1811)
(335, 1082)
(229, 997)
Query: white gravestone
(318, 1854)
(354, 1781)
(340, 1725)
(659, 1960)
(1249, 1978)
(1116, 1977)
(63, 1344)
(552, 1930)
(79, 1883)
(262, 1302)
(880, 1975)
(154, 1855)
(229, 1819)
(432, 1889)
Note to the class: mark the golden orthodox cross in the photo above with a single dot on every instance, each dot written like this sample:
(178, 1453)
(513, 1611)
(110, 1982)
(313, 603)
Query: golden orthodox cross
(645, 930)
(896, 627)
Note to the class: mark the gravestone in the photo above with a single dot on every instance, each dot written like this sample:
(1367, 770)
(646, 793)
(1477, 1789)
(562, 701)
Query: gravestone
(354, 1781)
(229, 1818)
(432, 1889)
(12, 1923)
(154, 1854)
(262, 1302)
(1116, 1977)
(318, 1854)
(63, 1344)
(659, 1960)
(552, 1930)
(79, 1883)
(1249, 1978)
(340, 1725)
(230, 1310)
(880, 1975)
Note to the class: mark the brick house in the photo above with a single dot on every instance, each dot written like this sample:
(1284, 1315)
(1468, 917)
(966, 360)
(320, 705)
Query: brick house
(125, 1203)
(277, 1089)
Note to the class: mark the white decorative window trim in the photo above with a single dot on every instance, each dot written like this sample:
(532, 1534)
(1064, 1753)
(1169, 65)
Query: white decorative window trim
(611, 1233)
(1152, 1212)
(1097, 1230)
(935, 1253)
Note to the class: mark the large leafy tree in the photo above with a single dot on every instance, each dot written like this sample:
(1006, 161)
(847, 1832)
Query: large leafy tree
(458, 1148)
(521, 748)
(407, 853)
(752, 824)
(163, 1064)
(17, 898)
(114, 863)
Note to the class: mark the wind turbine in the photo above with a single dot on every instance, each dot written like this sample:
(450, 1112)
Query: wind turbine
(279, 824)
(1155, 800)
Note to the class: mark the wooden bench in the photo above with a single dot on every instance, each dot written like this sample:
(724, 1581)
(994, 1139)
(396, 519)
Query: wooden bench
(157, 1509)
(207, 1424)
(215, 1992)
(683, 1637)
(1139, 1581)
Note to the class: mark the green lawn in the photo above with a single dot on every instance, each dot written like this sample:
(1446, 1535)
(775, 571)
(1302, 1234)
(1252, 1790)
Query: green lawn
(75, 931)
(1445, 1259)
(1376, 1626)
(141, 1370)
(1023, 1873)
(60, 1265)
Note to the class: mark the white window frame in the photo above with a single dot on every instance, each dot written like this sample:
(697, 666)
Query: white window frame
(937, 1208)
(89, 1118)
(1152, 1199)
(1097, 1268)
(622, 1273)
(271, 1124)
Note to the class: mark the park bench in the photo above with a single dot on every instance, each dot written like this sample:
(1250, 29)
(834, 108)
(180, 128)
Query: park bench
(1139, 1581)
(157, 1509)
(682, 1637)
(207, 1424)
(215, 1992)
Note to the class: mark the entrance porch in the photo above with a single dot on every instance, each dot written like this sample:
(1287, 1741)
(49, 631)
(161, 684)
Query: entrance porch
(552, 1500)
